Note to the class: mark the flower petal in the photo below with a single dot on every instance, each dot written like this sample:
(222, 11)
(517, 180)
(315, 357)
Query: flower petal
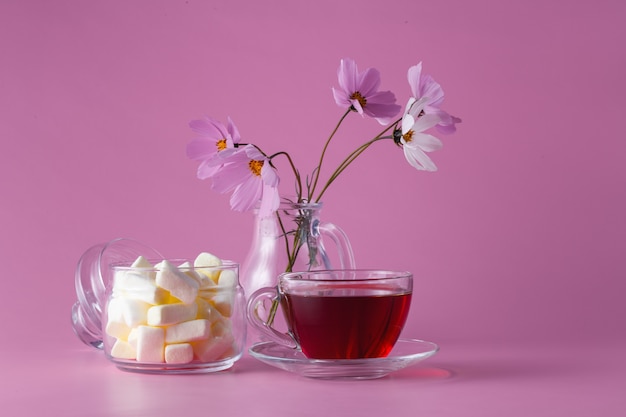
(347, 75)
(233, 131)
(341, 98)
(357, 106)
(232, 173)
(414, 75)
(381, 105)
(407, 123)
(409, 104)
(205, 127)
(431, 89)
(425, 122)
(252, 152)
(247, 194)
(418, 159)
(269, 175)
(201, 148)
(269, 201)
(206, 171)
(426, 142)
(450, 127)
(368, 82)
(415, 107)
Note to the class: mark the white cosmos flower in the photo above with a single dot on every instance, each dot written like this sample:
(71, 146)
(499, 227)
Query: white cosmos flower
(414, 142)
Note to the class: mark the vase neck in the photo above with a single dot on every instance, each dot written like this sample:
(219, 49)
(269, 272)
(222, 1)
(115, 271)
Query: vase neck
(289, 205)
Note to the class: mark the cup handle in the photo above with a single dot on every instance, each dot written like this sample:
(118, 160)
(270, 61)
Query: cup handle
(339, 237)
(257, 300)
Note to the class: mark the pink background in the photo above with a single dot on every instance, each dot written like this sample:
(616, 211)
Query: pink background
(517, 239)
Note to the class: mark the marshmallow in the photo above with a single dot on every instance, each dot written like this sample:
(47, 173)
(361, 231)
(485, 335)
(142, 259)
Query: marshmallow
(123, 314)
(227, 278)
(166, 314)
(187, 268)
(132, 338)
(178, 353)
(117, 329)
(177, 283)
(214, 348)
(123, 350)
(115, 310)
(207, 260)
(138, 286)
(188, 331)
(207, 311)
(141, 262)
(221, 328)
(150, 344)
(223, 302)
(135, 312)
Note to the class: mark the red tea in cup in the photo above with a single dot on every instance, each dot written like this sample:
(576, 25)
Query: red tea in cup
(346, 327)
(345, 314)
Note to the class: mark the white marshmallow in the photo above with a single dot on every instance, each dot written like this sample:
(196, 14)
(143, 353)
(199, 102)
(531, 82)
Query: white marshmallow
(214, 348)
(227, 278)
(138, 286)
(123, 350)
(223, 302)
(115, 310)
(150, 344)
(177, 283)
(178, 353)
(187, 268)
(134, 280)
(132, 338)
(221, 328)
(208, 260)
(153, 296)
(135, 312)
(207, 311)
(188, 331)
(166, 314)
(117, 329)
(141, 262)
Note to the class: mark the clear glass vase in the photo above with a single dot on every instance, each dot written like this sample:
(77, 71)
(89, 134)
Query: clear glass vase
(293, 239)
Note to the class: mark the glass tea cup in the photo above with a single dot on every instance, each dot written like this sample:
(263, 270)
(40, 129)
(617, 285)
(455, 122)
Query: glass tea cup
(336, 314)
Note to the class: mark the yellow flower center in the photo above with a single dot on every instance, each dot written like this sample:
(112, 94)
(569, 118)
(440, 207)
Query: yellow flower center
(255, 167)
(221, 144)
(357, 96)
(408, 136)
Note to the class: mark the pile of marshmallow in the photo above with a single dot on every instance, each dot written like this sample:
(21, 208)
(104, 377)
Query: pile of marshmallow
(172, 314)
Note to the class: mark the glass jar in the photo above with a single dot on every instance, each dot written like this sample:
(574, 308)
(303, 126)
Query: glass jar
(156, 315)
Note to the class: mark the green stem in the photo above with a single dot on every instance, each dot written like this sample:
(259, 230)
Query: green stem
(352, 156)
(287, 249)
(273, 310)
(319, 165)
(296, 173)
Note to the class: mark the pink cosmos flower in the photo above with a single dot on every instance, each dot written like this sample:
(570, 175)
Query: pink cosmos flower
(213, 137)
(414, 142)
(248, 173)
(425, 86)
(359, 91)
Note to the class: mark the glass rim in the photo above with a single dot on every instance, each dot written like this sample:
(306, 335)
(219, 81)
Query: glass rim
(127, 265)
(366, 274)
(286, 204)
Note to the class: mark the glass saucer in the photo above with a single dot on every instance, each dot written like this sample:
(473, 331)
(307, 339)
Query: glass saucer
(405, 353)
